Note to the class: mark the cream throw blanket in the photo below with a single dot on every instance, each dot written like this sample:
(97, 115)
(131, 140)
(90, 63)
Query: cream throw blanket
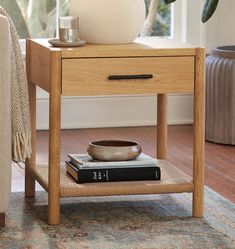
(20, 116)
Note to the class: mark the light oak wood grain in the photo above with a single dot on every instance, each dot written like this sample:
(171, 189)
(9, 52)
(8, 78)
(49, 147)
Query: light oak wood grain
(39, 67)
(54, 139)
(30, 162)
(199, 134)
(143, 46)
(82, 77)
(161, 126)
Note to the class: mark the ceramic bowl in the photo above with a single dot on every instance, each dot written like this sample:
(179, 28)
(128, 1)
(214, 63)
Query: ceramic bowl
(114, 150)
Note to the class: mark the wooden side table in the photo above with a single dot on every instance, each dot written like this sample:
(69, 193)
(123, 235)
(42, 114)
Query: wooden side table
(147, 66)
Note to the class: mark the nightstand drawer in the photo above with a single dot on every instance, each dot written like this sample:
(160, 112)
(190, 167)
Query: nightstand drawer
(142, 75)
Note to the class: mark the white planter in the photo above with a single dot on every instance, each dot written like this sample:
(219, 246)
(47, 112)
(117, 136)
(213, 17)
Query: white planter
(109, 21)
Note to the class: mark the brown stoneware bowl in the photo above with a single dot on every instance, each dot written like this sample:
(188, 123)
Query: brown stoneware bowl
(114, 150)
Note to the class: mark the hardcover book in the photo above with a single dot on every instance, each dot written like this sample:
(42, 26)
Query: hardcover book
(85, 161)
(86, 175)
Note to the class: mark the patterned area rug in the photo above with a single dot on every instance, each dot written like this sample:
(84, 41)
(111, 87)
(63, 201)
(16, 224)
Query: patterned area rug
(130, 222)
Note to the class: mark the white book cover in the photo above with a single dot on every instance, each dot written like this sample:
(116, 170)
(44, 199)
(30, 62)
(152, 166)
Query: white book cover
(86, 161)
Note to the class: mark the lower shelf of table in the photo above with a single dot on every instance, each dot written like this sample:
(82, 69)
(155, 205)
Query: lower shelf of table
(173, 181)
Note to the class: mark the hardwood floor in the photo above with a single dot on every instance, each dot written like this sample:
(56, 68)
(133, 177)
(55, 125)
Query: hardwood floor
(219, 160)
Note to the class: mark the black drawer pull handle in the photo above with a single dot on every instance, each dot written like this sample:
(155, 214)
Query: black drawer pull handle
(130, 77)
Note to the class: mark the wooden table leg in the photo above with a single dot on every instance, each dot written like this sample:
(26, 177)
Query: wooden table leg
(199, 137)
(161, 126)
(2, 219)
(30, 163)
(54, 140)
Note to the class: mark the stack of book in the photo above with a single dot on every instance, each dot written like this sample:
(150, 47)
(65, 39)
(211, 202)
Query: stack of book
(83, 168)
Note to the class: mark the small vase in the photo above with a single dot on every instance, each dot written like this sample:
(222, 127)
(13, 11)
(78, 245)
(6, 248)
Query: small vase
(109, 21)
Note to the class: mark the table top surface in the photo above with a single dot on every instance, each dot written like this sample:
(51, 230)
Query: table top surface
(143, 46)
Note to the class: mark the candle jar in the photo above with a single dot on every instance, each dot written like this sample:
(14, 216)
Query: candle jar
(69, 29)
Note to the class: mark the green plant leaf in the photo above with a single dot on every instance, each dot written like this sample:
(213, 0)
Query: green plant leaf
(169, 1)
(209, 9)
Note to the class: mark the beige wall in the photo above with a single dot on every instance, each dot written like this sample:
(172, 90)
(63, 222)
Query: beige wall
(220, 30)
